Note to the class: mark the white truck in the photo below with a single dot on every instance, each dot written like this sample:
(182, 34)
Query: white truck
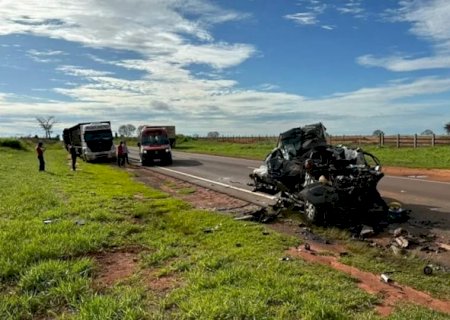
(92, 140)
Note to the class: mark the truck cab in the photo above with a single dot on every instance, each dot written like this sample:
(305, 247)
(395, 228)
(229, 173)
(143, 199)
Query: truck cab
(154, 146)
(97, 142)
(91, 140)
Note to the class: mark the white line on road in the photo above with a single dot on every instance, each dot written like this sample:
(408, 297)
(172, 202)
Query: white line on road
(218, 183)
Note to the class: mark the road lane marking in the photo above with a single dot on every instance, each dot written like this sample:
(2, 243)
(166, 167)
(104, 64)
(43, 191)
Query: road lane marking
(219, 183)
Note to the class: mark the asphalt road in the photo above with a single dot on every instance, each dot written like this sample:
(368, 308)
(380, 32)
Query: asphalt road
(231, 175)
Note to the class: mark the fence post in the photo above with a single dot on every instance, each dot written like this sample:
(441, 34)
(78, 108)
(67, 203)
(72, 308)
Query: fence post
(415, 140)
(433, 140)
(380, 142)
(398, 140)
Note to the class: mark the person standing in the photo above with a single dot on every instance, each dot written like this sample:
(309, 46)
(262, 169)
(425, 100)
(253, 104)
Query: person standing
(73, 155)
(125, 153)
(120, 154)
(40, 154)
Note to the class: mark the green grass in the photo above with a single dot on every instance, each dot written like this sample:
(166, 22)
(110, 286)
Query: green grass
(424, 157)
(47, 269)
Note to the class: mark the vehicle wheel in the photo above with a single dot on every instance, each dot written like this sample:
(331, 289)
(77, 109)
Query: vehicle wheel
(313, 214)
(169, 160)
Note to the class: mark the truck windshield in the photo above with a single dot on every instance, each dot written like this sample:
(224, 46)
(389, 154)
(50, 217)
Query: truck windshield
(97, 135)
(154, 140)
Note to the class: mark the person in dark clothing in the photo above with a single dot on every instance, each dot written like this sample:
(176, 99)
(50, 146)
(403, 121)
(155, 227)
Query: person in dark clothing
(73, 155)
(120, 159)
(40, 154)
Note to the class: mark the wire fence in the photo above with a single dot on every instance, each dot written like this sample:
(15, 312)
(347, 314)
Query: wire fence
(398, 140)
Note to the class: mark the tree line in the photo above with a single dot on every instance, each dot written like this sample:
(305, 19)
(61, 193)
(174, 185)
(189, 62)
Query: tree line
(129, 130)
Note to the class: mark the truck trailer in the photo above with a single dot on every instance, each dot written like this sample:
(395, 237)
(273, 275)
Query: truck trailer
(92, 140)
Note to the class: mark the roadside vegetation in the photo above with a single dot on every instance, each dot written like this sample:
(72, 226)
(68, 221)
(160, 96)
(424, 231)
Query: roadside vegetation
(58, 227)
(423, 157)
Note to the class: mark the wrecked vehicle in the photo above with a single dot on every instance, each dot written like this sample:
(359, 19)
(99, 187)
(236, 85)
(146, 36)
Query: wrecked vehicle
(327, 183)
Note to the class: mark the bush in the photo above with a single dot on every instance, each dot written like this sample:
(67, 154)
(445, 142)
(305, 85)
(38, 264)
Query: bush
(12, 143)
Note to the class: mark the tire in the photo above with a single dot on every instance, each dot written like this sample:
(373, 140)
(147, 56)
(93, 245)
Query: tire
(313, 214)
(169, 160)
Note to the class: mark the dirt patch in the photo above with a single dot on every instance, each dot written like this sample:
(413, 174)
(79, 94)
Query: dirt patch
(197, 196)
(115, 266)
(391, 292)
(161, 284)
(419, 173)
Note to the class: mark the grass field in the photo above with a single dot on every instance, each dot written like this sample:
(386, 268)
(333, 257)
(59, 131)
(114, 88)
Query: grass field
(425, 157)
(56, 225)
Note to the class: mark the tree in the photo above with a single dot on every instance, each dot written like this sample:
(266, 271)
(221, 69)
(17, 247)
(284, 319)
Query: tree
(127, 130)
(47, 125)
(427, 132)
(447, 128)
(378, 132)
(139, 129)
(213, 134)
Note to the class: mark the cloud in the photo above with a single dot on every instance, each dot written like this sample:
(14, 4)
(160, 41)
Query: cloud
(400, 64)
(315, 10)
(328, 27)
(45, 56)
(205, 108)
(303, 18)
(81, 72)
(429, 21)
(352, 7)
(153, 28)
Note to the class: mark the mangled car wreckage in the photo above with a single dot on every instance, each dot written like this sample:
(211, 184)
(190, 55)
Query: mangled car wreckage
(327, 183)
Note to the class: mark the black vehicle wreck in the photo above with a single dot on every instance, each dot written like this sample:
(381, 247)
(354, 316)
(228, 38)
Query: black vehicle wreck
(329, 184)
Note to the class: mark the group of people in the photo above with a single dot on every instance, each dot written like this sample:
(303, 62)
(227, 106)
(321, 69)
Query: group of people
(122, 155)
(40, 155)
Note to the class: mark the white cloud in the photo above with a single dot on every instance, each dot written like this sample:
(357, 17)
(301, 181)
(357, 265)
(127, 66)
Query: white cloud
(429, 21)
(398, 63)
(352, 7)
(45, 56)
(202, 106)
(303, 18)
(328, 27)
(46, 53)
(81, 72)
(150, 27)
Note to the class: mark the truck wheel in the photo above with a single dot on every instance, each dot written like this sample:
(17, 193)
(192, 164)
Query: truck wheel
(169, 160)
(313, 214)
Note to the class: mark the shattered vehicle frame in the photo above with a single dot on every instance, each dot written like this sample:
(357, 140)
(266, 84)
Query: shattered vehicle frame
(327, 183)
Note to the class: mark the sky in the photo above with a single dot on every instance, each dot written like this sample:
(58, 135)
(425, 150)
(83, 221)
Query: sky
(238, 67)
